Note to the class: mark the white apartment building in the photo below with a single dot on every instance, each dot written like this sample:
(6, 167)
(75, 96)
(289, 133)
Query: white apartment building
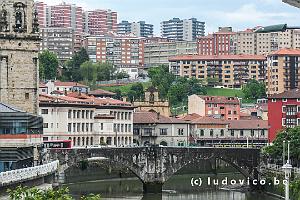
(87, 122)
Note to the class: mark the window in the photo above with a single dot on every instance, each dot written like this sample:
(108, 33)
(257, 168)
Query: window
(44, 111)
(283, 109)
(136, 131)
(148, 131)
(129, 127)
(211, 132)
(87, 114)
(91, 127)
(201, 133)
(222, 132)
(69, 127)
(163, 131)
(74, 114)
(83, 114)
(26, 95)
(87, 127)
(74, 127)
(180, 131)
(69, 114)
(252, 133)
(241, 133)
(78, 114)
(83, 127)
(284, 100)
(78, 127)
(45, 125)
(273, 100)
(229, 112)
(262, 133)
(101, 126)
(232, 133)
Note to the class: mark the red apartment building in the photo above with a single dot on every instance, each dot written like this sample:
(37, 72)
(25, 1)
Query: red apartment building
(284, 111)
(227, 108)
(41, 9)
(68, 16)
(215, 44)
(99, 22)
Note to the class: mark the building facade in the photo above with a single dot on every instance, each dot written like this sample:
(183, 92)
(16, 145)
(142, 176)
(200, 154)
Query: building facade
(139, 29)
(219, 43)
(151, 128)
(182, 30)
(158, 52)
(19, 49)
(124, 28)
(20, 136)
(283, 111)
(87, 121)
(99, 22)
(230, 71)
(283, 72)
(59, 41)
(227, 108)
(124, 52)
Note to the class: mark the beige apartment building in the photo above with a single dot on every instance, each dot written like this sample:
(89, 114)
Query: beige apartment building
(252, 43)
(283, 73)
(158, 53)
(231, 71)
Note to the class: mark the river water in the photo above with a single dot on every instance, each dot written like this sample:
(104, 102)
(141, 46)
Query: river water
(177, 188)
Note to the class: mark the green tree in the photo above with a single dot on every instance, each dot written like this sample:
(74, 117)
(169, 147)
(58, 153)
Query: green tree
(48, 64)
(162, 79)
(138, 89)
(275, 151)
(72, 67)
(105, 71)
(254, 90)
(88, 71)
(118, 94)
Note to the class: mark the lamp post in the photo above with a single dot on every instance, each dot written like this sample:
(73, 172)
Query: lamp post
(287, 168)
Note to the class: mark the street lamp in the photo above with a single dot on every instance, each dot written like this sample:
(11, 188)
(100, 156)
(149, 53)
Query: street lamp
(287, 168)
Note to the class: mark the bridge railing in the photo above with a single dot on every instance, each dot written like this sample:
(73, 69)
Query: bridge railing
(30, 173)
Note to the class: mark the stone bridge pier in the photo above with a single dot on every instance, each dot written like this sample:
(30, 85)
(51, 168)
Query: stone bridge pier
(155, 165)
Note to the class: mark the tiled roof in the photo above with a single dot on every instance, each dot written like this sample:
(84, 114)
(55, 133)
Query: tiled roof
(154, 118)
(209, 120)
(286, 51)
(101, 92)
(248, 124)
(4, 108)
(217, 57)
(291, 94)
(190, 117)
(220, 99)
(42, 85)
(68, 84)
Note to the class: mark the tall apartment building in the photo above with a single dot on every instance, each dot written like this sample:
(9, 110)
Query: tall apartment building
(124, 52)
(219, 43)
(158, 53)
(139, 29)
(41, 8)
(99, 22)
(68, 16)
(231, 71)
(124, 28)
(58, 40)
(186, 29)
(283, 73)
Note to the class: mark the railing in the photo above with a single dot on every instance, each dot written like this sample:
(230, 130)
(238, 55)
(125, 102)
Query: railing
(278, 168)
(30, 173)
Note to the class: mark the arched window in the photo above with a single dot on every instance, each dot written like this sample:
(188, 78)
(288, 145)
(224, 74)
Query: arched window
(163, 143)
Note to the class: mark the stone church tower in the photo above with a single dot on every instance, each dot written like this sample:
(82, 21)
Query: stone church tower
(19, 45)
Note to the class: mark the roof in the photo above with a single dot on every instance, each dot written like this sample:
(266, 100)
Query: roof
(4, 108)
(220, 99)
(190, 117)
(248, 124)
(217, 57)
(286, 52)
(43, 85)
(68, 84)
(101, 92)
(209, 120)
(154, 118)
(272, 28)
(291, 94)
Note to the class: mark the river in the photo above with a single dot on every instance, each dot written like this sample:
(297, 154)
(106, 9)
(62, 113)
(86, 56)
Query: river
(177, 188)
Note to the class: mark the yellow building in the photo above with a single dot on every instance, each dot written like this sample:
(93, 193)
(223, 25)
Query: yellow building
(283, 72)
(231, 71)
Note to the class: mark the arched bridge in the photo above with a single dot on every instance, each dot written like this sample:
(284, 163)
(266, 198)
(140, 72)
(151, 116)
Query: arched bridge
(155, 165)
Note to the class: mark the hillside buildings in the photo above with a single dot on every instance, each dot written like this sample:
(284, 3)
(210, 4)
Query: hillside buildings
(182, 30)
(230, 71)
(139, 29)
(227, 108)
(282, 71)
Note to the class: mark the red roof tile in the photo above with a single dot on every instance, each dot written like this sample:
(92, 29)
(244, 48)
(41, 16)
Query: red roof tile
(248, 124)
(68, 84)
(101, 92)
(286, 51)
(154, 118)
(220, 99)
(217, 57)
(291, 94)
(209, 120)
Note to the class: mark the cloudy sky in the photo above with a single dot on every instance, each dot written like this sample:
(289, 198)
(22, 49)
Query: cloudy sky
(239, 14)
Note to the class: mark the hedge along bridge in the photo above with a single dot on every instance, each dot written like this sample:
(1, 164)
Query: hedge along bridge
(155, 165)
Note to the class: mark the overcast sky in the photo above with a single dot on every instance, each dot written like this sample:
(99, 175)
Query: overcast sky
(239, 14)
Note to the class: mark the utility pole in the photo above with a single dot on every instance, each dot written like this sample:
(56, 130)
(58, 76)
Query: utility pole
(287, 168)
